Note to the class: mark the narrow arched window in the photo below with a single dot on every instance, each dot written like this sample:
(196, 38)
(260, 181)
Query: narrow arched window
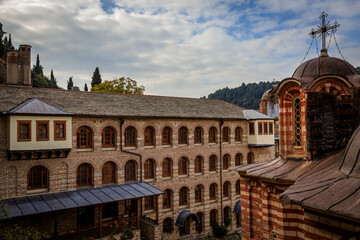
(212, 135)
(130, 137)
(198, 164)
(37, 178)
(297, 121)
(183, 166)
(149, 169)
(226, 161)
(226, 189)
(167, 167)
(226, 134)
(238, 159)
(167, 198)
(183, 135)
(84, 175)
(212, 163)
(108, 137)
(238, 134)
(168, 225)
(198, 135)
(166, 136)
(250, 158)
(237, 187)
(109, 172)
(200, 216)
(212, 191)
(183, 196)
(213, 217)
(84, 138)
(149, 134)
(130, 171)
(198, 194)
(227, 215)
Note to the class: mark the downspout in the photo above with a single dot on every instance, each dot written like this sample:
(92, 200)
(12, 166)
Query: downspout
(136, 154)
(221, 122)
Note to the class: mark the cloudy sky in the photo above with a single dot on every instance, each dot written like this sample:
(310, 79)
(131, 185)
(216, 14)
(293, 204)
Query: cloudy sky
(177, 48)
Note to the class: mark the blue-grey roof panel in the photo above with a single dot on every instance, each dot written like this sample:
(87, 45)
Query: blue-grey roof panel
(122, 192)
(39, 204)
(91, 198)
(65, 200)
(25, 206)
(76, 197)
(111, 194)
(141, 189)
(151, 188)
(131, 190)
(11, 208)
(53, 202)
(35, 106)
(100, 195)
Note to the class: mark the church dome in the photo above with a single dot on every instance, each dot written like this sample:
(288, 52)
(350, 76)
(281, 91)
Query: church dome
(323, 66)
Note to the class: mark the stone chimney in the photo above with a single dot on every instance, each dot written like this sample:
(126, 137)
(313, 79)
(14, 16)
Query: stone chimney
(19, 72)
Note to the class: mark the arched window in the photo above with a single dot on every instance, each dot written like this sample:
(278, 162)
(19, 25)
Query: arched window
(237, 187)
(109, 172)
(167, 198)
(200, 226)
(130, 137)
(297, 121)
(37, 178)
(212, 191)
(149, 134)
(198, 138)
(108, 137)
(183, 196)
(84, 175)
(226, 189)
(168, 225)
(130, 171)
(238, 159)
(213, 217)
(212, 135)
(84, 138)
(149, 169)
(198, 193)
(183, 166)
(227, 216)
(183, 135)
(250, 158)
(226, 161)
(166, 136)
(198, 164)
(212, 163)
(226, 134)
(167, 167)
(238, 134)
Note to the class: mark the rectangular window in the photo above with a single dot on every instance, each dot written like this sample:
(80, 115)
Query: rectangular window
(59, 130)
(42, 130)
(149, 203)
(270, 128)
(251, 129)
(110, 210)
(260, 131)
(265, 128)
(24, 131)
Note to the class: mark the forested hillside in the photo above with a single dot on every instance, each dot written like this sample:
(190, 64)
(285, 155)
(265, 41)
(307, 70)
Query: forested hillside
(246, 96)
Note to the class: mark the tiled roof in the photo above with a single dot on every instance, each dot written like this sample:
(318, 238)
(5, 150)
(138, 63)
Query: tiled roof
(255, 115)
(113, 104)
(35, 106)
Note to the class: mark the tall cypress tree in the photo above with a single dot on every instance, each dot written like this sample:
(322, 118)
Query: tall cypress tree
(96, 78)
(86, 88)
(38, 69)
(70, 83)
(2, 46)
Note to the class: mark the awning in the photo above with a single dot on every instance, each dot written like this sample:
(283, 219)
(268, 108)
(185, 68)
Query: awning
(34, 204)
(180, 221)
(237, 207)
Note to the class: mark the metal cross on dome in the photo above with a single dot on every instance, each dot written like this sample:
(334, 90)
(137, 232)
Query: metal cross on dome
(322, 30)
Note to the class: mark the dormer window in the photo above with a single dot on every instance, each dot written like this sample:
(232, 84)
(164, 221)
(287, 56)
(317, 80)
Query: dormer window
(24, 131)
(42, 130)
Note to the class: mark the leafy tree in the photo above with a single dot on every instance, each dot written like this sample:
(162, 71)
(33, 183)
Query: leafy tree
(70, 83)
(38, 69)
(96, 78)
(120, 85)
(2, 46)
(358, 69)
(86, 88)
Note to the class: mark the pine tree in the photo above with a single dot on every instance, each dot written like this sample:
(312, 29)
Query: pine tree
(96, 78)
(86, 88)
(38, 68)
(70, 83)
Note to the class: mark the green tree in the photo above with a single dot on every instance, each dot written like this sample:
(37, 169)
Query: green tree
(70, 83)
(96, 78)
(358, 69)
(2, 46)
(38, 69)
(120, 85)
(86, 88)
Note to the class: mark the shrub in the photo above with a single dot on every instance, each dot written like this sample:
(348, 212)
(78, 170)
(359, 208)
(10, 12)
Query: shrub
(227, 221)
(219, 231)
